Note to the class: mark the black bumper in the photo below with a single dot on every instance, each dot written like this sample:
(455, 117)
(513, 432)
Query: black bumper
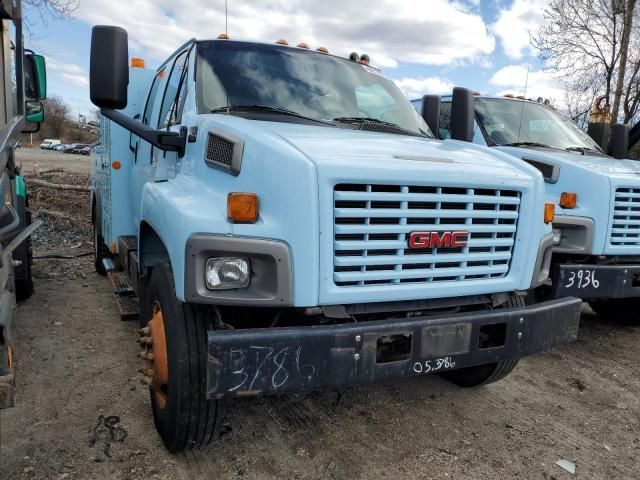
(596, 281)
(278, 360)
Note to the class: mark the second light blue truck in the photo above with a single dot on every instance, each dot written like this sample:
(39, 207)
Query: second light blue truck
(597, 222)
(287, 222)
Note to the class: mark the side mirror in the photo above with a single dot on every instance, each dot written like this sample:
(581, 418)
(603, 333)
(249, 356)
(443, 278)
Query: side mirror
(462, 114)
(619, 142)
(109, 67)
(108, 82)
(35, 77)
(431, 113)
(34, 111)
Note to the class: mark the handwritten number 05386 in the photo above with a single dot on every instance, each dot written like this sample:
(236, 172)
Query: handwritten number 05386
(583, 279)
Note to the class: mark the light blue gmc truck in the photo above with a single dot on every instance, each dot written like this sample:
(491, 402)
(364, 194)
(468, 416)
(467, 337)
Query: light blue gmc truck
(281, 219)
(597, 196)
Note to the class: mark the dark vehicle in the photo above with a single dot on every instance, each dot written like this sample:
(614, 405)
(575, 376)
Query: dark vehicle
(73, 147)
(79, 148)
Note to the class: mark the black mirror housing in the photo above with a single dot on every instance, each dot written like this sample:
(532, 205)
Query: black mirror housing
(619, 141)
(462, 114)
(109, 67)
(431, 113)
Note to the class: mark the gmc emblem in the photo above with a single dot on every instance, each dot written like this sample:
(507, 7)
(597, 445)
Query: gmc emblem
(438, 239)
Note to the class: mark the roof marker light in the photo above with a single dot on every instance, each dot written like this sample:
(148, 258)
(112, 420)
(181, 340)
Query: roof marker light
(137, 62)
(223, 36)
(282, 41)
(303, 45)
(322, 50)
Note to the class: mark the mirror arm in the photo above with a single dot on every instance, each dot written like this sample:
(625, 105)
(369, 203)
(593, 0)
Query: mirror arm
(162, 139)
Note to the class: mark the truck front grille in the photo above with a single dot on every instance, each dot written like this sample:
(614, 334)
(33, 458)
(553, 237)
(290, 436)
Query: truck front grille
(625, 227)
(372, 225)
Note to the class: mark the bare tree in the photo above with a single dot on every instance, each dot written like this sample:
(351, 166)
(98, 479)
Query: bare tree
(54, 8)
(586, 44)
(46, 9)
(626, 8)
(57, 116)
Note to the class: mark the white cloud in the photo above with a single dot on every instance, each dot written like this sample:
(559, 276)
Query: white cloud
(513, 78)
(69, 72)
(416, 87)
(516, 24)
(434, 32)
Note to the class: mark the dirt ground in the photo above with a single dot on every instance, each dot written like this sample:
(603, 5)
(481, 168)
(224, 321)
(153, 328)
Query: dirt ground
(49, 160)
(76, 366)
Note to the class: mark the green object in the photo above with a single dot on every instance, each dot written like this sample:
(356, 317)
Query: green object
(34, 111)
(40, 75)
(21, 186)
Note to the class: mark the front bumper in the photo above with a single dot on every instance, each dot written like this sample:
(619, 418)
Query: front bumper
(278, 360)
(596, 281)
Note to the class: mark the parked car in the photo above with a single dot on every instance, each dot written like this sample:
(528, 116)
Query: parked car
(79, 147)
(58, 148)
(86, 150)
(70, 147)
(49, 143)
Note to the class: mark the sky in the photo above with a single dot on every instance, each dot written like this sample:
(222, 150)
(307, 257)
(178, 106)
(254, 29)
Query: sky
(425, 46)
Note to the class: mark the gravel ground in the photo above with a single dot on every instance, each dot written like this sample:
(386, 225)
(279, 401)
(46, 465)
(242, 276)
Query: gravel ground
(81, 413)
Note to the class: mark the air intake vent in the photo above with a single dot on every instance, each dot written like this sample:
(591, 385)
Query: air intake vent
(383, 128)
(549, 172)
(224, 151)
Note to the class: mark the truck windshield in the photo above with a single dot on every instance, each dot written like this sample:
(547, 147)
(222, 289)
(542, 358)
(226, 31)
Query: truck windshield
(529, 124)
(302, 83)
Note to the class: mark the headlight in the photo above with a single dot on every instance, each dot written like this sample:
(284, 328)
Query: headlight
(225, 273)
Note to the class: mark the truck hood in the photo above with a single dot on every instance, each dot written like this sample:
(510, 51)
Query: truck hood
(326, 145)
(599, 164)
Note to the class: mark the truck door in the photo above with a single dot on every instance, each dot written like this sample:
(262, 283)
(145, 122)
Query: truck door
(163, 110)
(141, 170)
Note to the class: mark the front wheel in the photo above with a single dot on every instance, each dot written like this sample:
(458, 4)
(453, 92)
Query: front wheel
(100, 250)
(490, 373)
(618, 310)
(175, 353)
(482, 374)
(24, 254)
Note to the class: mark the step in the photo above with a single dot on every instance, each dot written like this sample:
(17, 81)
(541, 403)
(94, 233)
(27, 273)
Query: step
(126, 244)
(108, 264)
(128, 306)
(120, 283)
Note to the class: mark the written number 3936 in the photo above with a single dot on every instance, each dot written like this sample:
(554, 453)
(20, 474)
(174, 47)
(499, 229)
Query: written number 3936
(583, 279)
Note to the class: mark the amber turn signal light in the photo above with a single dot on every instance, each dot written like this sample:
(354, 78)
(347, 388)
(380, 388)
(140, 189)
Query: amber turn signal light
(242, 207)
(549, 212)
(568, 200)
(137, 62)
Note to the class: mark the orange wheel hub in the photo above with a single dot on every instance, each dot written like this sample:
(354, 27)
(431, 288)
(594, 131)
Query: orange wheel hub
(156, 373)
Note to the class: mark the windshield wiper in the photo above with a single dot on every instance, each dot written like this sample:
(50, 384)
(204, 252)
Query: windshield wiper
(267, 108)
(375, 120)
(525, 144)
(582, 150)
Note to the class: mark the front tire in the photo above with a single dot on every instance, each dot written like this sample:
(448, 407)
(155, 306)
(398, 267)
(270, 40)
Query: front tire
(100, 250)
(490, 373)
(618, 310)
(176, 335)
(23, 278)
